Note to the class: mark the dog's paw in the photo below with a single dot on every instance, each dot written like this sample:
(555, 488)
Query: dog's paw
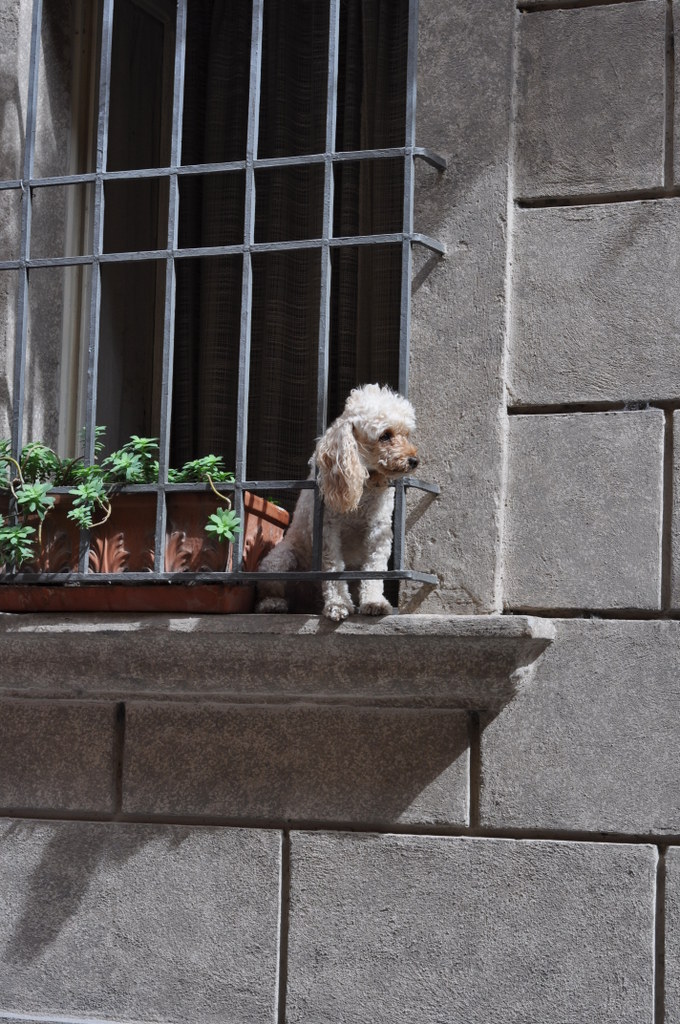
(337, 611)
(380, 607)
(272, 604)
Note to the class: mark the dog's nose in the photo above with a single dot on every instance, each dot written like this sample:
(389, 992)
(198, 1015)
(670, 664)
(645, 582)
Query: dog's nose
(412, 462)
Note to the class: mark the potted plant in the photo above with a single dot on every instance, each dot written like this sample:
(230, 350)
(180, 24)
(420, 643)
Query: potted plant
(48, 505)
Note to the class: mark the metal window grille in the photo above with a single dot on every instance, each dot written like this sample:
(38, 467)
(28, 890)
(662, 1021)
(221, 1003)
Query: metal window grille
(169, 254)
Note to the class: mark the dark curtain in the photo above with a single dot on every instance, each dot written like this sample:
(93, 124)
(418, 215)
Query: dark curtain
(366, 281)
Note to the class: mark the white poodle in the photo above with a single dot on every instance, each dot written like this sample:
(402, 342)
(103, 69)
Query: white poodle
(361, 452)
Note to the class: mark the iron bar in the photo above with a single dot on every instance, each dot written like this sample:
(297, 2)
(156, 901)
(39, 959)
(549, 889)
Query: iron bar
(326, 270)
(97, 247)
(327, 229)
(430, 243)
(226, 485)
(399, 545)
(346, 241)
(430, 157)
(170, 286)
(343, 156)
(247, 271)
(188, 578)
(21, 340)
(98, 226)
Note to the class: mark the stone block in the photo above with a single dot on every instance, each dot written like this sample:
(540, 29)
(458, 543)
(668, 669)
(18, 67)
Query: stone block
(675, 521)
(595, 310)
(302, 763)
(591, 745)
(676, 140)
(591, 100)
(134, 922)
(57, 755)
(672, 930)
(458, 322)
(446, 661)
(583, 511)
(427, 929)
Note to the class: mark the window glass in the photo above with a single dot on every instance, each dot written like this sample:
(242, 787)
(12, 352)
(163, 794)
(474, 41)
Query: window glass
(130, 349)
(289, 203)
(206, 353)
(211, 209)
(140, 105)
(294, 78)
(216, 79)
(55, 348)
(284, 359)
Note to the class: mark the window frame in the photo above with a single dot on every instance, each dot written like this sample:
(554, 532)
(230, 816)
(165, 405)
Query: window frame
(406, 238)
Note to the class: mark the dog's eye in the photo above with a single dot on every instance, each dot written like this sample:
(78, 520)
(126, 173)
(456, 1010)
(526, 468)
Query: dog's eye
(387, 436)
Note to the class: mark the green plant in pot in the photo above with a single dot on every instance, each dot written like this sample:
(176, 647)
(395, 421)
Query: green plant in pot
(29, 482)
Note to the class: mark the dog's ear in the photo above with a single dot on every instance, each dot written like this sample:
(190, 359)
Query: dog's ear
(342, 474)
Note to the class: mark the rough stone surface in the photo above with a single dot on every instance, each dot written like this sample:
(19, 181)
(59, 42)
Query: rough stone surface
(15, 43)
(591, 105)
(595, 307)
(134, 922)
(442, 660)
(676, 141)
(10, 224)
(57, 755)
(458, 326)
(583, 515)
(422, 930)
(672, 930)
(8, 307)
(302, 764)
(55, 149)
(592, 744)
(675, 523)
(52, 152)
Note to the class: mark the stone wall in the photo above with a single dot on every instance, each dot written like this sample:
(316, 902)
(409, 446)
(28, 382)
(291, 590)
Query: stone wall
(396, 825)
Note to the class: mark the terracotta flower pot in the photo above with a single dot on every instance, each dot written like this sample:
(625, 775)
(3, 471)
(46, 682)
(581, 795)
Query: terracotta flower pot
(125, 544)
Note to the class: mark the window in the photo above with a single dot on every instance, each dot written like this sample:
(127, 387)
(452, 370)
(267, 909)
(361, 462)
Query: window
(213, 238)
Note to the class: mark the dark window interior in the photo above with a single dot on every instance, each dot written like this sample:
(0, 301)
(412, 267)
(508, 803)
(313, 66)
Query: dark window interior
(288, 291)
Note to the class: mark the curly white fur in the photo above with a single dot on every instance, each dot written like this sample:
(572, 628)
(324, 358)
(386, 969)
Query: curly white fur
(365, 448)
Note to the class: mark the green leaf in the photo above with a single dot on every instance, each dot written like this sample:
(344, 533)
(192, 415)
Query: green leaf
(67, 471)
(38, 462)
(223, 524)
(124, 467)
(15, 544)
(34, 497)
(82, 515)
(89, 498)
(99, 433)
(203, 469)
(146, 450)
(89, 492)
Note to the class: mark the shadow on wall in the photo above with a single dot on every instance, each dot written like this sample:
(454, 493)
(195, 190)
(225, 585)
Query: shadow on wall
(302, 764)
(12, 137)
(320, 727)
(59, 882)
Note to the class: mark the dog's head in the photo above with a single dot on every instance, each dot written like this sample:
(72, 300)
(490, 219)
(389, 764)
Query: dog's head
(372, 436)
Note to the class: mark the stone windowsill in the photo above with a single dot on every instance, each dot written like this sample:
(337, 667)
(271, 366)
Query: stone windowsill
(451, 661)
